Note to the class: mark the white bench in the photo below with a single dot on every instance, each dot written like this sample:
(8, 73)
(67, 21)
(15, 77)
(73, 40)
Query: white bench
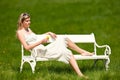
(76, 38)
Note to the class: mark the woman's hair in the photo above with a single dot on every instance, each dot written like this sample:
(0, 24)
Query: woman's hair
(21, 19)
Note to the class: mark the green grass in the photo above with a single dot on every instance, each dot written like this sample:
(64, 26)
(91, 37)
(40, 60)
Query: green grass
(62, 17)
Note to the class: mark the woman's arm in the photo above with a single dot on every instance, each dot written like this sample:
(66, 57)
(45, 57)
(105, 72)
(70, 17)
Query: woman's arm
(26, 46)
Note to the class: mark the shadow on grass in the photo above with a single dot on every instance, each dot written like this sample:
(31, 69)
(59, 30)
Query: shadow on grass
(54, 67)
(90, 66)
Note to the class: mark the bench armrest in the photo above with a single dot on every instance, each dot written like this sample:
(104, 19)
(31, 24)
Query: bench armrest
(107, 50)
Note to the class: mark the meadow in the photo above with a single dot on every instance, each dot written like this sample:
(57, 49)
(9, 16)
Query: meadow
(101, 17)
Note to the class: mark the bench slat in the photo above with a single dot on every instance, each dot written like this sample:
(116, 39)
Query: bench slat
(84, 38)
(79, 57)
(81, 38)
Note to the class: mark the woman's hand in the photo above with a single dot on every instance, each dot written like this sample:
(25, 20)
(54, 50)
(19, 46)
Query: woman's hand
(45, 40)
(53, 35)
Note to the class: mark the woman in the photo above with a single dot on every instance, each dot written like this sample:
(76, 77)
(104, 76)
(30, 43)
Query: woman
(57, 50)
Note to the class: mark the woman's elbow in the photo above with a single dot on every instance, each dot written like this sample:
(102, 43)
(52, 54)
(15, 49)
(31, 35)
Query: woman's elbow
(27, 48)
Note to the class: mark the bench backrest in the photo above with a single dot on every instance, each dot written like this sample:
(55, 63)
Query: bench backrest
(76, 38)
(84, 38)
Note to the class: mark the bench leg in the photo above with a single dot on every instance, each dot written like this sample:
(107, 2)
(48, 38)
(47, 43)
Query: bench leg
(107, 63)
(22, 62)
(32, 64)
(95, 61)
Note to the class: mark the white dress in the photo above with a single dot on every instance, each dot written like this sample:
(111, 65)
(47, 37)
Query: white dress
(56, 50)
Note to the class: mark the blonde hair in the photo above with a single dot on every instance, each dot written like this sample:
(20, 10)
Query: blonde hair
(21, 19)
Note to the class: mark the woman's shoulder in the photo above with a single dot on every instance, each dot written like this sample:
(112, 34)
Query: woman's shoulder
(19, 31)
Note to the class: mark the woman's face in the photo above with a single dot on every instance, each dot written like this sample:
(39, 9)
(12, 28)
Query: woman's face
(26, 23)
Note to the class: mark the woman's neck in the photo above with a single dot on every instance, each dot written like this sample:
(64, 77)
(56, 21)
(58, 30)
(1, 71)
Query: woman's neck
(26, 29)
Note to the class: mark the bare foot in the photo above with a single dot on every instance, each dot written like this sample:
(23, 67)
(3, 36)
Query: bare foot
(85, 53)
(84, 77)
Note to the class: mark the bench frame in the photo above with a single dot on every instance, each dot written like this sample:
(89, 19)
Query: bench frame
(76, 38)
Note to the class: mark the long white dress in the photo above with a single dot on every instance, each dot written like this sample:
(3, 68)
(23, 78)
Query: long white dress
(56, 50)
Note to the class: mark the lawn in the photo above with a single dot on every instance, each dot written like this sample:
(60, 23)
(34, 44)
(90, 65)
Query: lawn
(102, 17)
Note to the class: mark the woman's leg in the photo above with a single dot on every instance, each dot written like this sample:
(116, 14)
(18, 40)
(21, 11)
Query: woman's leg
(74, 64)
(73, 46)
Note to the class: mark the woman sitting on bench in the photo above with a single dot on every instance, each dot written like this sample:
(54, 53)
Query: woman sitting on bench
(57, 50)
